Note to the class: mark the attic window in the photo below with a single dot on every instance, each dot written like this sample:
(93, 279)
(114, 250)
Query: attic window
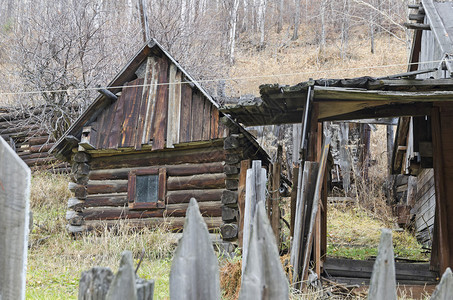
(146, 188)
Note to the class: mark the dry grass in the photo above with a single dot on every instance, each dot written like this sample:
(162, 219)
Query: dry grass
(301, 60)
(56, 260)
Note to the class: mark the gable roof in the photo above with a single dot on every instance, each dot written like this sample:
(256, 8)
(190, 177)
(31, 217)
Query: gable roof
(64, 145)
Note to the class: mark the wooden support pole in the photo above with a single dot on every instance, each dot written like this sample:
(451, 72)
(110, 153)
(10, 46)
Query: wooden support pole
(294, 200)
(275, 200)
(245, 165)
(314, 211)
(441, 257)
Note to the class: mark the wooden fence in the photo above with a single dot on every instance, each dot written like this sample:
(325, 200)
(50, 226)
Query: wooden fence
(14, 218)
(195, 272)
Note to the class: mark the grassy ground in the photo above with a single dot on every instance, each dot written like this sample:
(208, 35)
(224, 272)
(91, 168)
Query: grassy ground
(56, 260)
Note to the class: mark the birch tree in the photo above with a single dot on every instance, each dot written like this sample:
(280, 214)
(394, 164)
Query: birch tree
(261, 16)
(232, 31)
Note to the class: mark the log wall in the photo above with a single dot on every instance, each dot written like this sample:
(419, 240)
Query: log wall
(209, 173)
(29, 140)
(100, 188)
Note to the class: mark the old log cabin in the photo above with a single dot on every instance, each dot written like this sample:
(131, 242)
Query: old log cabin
(152, 140)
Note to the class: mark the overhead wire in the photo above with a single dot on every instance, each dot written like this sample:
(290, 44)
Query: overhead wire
(244, 78)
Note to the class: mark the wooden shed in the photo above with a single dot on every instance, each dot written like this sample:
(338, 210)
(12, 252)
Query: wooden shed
(432, 50)
(152, 140)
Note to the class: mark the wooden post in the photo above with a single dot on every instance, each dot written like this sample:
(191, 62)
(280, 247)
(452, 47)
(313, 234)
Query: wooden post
(263, 276)
(383, 279)
(194, 271)
(255, 191)
(245, 165)
(314, 211)
(294, 200)
(442, 245)
(14, 222)
(275, 200)
(444, 289)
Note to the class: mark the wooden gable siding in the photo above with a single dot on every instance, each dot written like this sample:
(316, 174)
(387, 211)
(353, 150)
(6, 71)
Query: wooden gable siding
(158, 110)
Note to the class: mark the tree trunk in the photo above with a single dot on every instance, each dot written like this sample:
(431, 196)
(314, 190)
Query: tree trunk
(232, 31)
(261, 21)
(296, 21)
(280, 16)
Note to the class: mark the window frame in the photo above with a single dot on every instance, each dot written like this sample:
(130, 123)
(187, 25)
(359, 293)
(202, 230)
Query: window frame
(132, 188)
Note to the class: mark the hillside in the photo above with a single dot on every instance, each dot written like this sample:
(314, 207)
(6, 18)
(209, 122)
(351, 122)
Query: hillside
(297, 61)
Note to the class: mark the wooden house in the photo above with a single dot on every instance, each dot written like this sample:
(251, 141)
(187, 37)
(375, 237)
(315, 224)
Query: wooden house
(152, 140)
(432, 49)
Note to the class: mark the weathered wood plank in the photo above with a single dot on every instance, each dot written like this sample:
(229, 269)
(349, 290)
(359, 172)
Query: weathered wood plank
(206, 135)
(254, 193)
(383, 281)
(153, 76)
(444, 289)
(214, 122)
(186, 113)
(314, 211)
(14, 222)
(132, 105)
(197, 116)
(114, 129)
(263, 276)
(123, 283)
(245, 165)
(160, 120)
(194, 273)
(174, 107)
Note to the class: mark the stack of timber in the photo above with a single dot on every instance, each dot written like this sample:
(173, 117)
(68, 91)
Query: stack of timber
(26, 136)
(141, 152)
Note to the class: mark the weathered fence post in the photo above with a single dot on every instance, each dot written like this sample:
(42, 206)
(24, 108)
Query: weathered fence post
(444, 289)
(383, 280)
(263, 277)
(99, 283)
(123, 284)
(94, 283)
(255, 191)
(194, 271)
(14, 222)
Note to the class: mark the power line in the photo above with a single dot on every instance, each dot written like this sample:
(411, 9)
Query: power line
(245, 78)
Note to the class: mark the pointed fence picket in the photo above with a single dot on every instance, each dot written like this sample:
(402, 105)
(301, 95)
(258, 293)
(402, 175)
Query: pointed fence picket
(14, 222)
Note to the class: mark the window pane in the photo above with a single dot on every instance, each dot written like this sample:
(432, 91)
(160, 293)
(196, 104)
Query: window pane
(147, 188)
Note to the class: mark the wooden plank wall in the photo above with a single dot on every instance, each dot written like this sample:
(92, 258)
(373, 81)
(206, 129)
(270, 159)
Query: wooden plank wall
(195, 173)
(425, 207)
(162, 113)
(29, 140)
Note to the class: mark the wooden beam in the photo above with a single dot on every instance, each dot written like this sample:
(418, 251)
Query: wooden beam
(417, 26)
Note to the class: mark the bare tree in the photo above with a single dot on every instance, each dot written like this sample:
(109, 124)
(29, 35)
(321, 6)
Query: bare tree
(296, 20)
(232, 31)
